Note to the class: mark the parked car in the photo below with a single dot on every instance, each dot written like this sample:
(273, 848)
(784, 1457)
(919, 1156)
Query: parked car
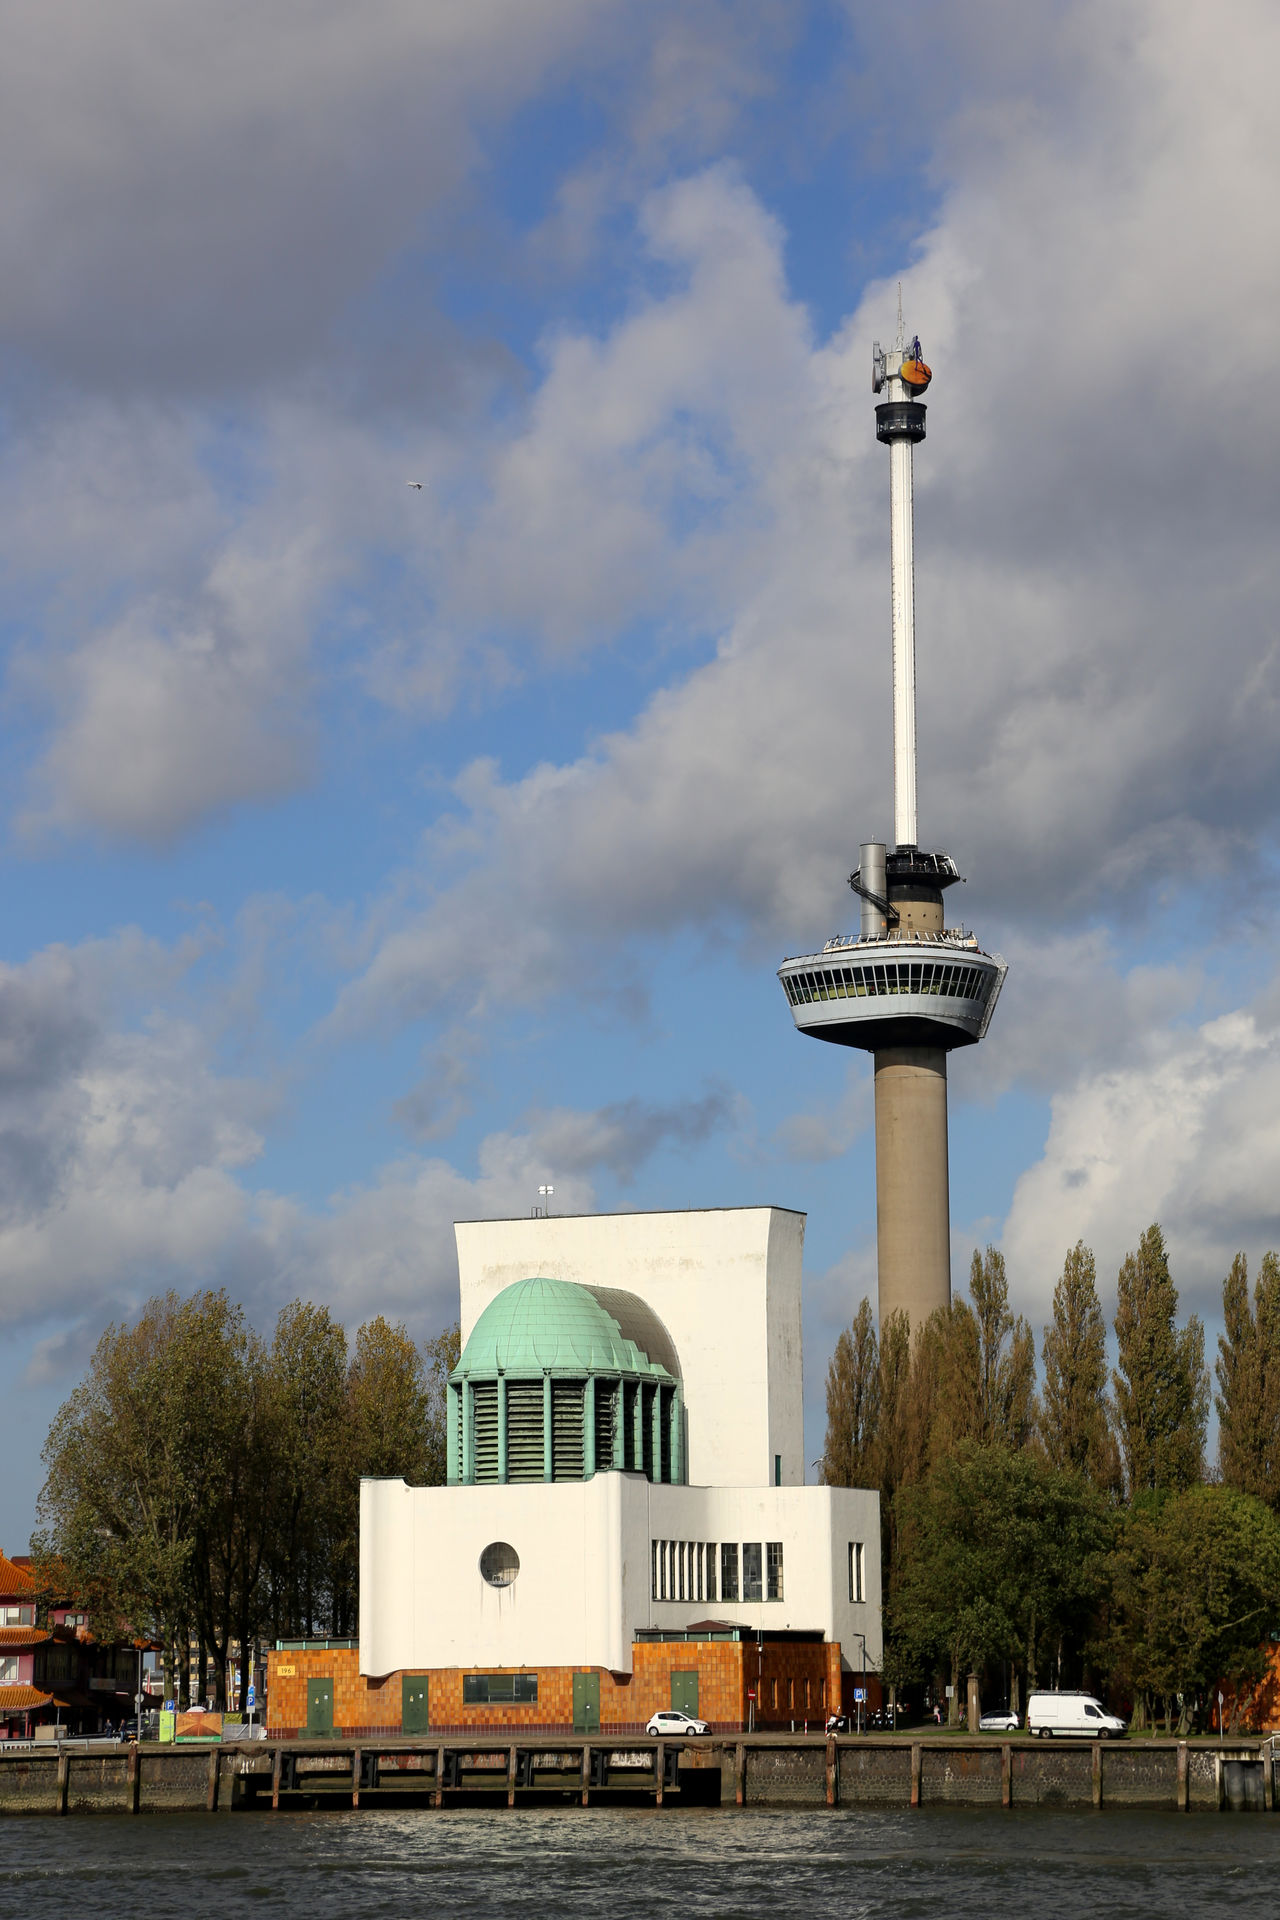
(671, 1722)
(999, 1723)
(1071, 1714)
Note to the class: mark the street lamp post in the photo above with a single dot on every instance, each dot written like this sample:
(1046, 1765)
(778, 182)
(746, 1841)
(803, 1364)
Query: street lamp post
(862, 1675)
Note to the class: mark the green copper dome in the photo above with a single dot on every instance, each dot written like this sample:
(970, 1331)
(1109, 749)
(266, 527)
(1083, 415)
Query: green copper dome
(539, 1326)
(559, 1382)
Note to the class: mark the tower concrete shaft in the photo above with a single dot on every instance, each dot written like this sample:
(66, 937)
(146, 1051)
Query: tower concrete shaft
(913, 1215)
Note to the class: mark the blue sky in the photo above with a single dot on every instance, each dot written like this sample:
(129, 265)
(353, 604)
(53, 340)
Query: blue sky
(372, 856)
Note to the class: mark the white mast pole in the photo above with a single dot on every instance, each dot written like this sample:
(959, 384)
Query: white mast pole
(902, 563)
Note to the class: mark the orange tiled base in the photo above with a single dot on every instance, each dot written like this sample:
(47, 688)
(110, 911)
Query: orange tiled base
(792, 1682)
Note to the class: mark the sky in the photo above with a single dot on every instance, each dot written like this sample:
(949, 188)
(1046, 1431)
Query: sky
(373, 855)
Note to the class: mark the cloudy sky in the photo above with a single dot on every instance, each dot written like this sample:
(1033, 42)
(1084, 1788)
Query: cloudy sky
(374, 855)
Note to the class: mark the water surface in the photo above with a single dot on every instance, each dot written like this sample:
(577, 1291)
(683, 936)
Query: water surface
(612, 1863)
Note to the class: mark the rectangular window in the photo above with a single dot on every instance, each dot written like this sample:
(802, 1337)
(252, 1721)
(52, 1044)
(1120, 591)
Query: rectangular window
(711, 1570)
(752, 1571)
(857, 1572)
(773, 1566)
(499, 1689)
(9, 1670)
(729, 1570)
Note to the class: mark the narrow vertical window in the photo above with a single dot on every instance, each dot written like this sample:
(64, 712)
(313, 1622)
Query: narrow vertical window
(711, 1570)
(857, 1575)
(653, 1569)
(777, 1469)
(752, 1570)
(729, 1570)
(773, 1569)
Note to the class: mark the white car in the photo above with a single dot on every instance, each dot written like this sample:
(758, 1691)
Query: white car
(1067, 1714)
(999, 1723)
(674, 1724)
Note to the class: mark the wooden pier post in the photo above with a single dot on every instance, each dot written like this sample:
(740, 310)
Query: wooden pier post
(64, 1781)
(357, 1767)
(832, 1776)
(275, 1778)
(1097, 1773)
(916, 1756)
(511, 1776)
(586, 1770)
(1006, 1775)
(1184, 1779)
(437, 1798)
(135, 1778)
(211, 1784)
(740, 1775)
(659, 1770)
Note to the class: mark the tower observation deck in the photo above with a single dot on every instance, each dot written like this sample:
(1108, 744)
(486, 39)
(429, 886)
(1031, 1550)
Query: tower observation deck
(906, 987)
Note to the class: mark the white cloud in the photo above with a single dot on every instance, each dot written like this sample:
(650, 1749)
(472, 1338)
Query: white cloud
(1187, 1134)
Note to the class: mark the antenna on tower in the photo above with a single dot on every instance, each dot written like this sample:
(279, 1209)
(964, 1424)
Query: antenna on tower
(902, 338)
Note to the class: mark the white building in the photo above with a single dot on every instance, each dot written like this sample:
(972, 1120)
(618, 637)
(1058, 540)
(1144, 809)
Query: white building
(626, 1463)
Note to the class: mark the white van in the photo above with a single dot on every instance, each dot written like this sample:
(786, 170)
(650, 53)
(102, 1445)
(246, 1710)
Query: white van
(1071, 1713)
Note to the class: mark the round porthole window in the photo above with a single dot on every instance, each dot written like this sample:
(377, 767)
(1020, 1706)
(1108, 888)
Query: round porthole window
(500, 1564)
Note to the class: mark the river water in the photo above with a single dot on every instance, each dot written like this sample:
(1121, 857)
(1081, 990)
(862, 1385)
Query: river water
(612, 1864)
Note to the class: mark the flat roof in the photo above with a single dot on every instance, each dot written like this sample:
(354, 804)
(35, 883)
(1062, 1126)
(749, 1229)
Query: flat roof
(624, 1213)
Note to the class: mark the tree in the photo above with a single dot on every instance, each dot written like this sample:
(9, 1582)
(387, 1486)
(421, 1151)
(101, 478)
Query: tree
(1006, 1356)
(1074, 1428)
(1196, 1583)
(897, 1460)
(308, 1394)
(1248, 1373)
(849, 1457)
(1161, 1386)
(1000, 1558)
(391, 1432)
(443, 1354)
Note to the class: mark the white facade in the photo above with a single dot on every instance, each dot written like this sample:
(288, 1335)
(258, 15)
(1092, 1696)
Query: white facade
(726, 1284)
(604, 1557)
(590, 1559)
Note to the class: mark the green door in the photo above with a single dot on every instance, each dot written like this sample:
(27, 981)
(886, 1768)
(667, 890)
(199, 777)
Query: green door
(684, 1693)
(586, 1703)
(319, 1709)
(413, 1703)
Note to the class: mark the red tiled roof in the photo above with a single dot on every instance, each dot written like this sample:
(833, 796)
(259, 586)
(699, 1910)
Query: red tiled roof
(22, 1636)
(15, 1581)
(22, 1699)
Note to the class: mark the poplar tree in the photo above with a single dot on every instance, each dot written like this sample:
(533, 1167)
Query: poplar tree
(1248, 1373)
(853, 1406)
(1074, 1429)
(1006, 1358)
(1161, 1386)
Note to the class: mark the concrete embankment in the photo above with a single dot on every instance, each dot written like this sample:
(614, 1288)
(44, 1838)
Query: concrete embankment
(761, 1770)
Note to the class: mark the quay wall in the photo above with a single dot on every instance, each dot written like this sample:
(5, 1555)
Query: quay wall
(746, 1770)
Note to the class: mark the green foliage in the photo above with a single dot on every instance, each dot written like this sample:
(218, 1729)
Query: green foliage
(849, 1457)
(1162, 1384)
(999, 1555)
(1074, 1428)
(1248, 1373)
(1195, 1582)
(199, 1482)
(1006, 1357)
